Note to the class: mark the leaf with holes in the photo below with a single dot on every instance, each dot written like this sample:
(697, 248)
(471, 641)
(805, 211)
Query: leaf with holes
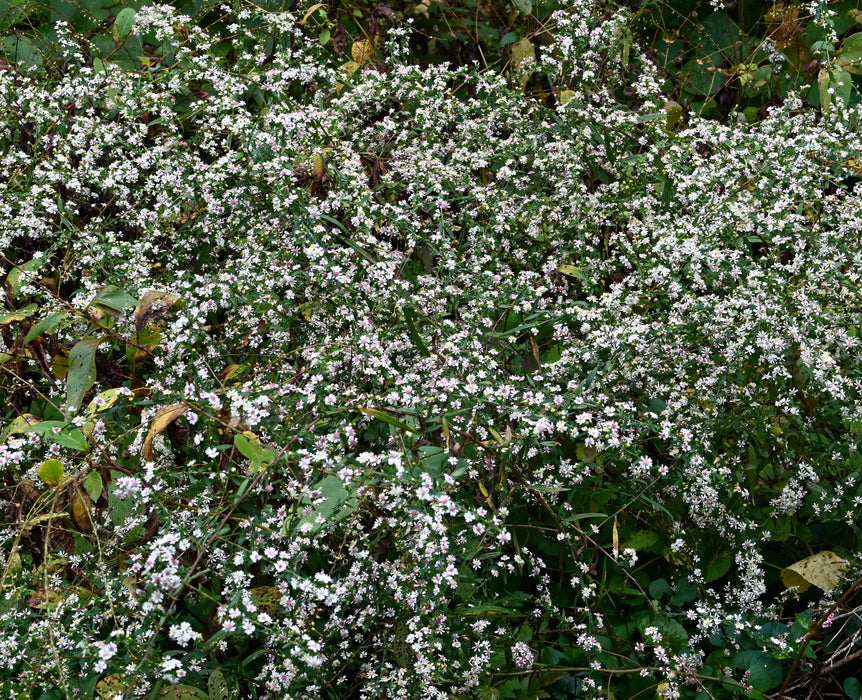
(182, 692)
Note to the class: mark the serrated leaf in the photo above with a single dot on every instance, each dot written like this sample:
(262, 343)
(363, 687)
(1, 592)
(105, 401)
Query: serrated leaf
(93, 485)
(824, 570)
(51, 472)
(82, 371)
(82, 510)
(123, 24)
(161, 420)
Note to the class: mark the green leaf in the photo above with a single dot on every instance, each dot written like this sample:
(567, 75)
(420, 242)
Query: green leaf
(123, 24)
(336, 504)
(46, 325)
(93, 485)
(51, 472)
(850, 54)
(260, 455)
(111, 299)
(718, 567)
(21, 52)
(853, 688)
(62, 433)
(525, 7)
(182, 692)
(82, 371)
(509, 38)
(386, 418)
(14, 278)
(217, 686)
(764, 672)
(641, 540)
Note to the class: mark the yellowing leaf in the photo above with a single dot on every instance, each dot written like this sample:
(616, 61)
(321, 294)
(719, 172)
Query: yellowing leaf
(824, 570)
(151, 306)
(51, 472)
(21, 424)
(82, 511)
(522, 51)
(344, 73)
(113, 686)
(161, 421)
(182, 692)
(362, 51)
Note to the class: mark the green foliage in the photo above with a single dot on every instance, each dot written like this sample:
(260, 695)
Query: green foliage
(433, 350)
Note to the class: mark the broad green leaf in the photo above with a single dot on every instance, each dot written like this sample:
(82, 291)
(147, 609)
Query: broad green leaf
(824, 570)
(123, 24)
(260, 455)
(62, 433)
(51, 472)
(718, 567)
(642, 539)
(850, 54)
(764, 672)
(112, 300)
(46, 325)
(82, 371)
(18, 276)
(525, 7)
(21, 52)
(20, 315)
(336, 503)
(853, 688)
(509, 38)
(93, 485)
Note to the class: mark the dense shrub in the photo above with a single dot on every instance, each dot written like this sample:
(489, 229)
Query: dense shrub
(384, 378)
